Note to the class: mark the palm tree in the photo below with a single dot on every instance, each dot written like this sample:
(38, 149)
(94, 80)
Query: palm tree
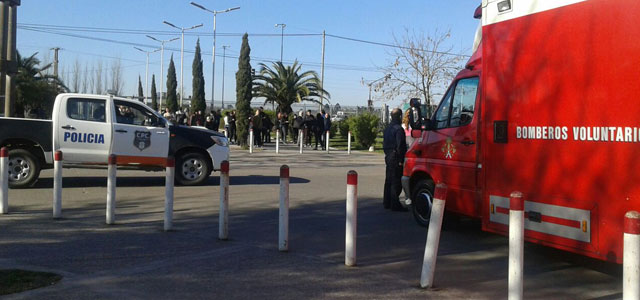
(34, 88)
(285, 85)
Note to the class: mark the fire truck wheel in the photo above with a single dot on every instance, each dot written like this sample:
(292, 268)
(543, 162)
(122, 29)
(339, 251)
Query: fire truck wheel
(422, 197)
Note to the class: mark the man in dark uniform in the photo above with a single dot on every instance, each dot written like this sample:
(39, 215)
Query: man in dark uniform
(395, 147)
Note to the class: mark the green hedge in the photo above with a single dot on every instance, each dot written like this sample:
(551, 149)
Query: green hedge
(364, 128)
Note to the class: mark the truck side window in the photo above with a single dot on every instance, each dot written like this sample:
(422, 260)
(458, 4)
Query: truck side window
(464, 102)
(86, 109)
(128, 113)
(442, 114)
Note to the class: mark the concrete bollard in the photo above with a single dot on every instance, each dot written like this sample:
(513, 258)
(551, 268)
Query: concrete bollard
(277, 141)
(250, 140)
(349, 143)
(352, 219)
(168, 193)
(327, 140)
(433, 236)
(57, 185)
(631, 257)
(516, 245)
(301, 139)
(283, 224)
(111, 189)
(223, 219)
(4, 180)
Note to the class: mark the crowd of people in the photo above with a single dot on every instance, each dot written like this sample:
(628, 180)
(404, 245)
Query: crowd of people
(289, 127)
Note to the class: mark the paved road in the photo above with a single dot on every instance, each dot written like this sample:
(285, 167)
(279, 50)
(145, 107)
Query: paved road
(136, 259)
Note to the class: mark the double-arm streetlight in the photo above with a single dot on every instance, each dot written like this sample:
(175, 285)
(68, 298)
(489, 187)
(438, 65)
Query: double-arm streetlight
(146, 71)
(162, 42)
(370, 102)
(182, 30)
(281, 38)
(213, 56)
(224, 58)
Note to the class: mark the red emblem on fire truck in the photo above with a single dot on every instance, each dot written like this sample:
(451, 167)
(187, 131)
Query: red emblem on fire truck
(448, 149)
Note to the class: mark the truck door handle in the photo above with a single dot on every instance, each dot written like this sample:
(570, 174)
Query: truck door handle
(162, 132)
(467, 142)
(121, 131)
(68, 127)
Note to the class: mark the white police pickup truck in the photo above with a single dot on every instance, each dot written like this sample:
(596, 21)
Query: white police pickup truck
(89, 128)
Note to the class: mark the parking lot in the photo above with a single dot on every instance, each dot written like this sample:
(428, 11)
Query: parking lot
(135, 258)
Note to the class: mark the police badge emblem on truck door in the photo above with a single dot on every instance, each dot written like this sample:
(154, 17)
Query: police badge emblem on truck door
(142, 140)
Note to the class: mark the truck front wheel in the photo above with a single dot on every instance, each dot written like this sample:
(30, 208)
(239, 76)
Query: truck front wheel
(192, 169)
(24, 168)
(422, 201)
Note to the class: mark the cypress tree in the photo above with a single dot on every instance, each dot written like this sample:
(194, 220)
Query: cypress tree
(197, 99)
(154, 93)
(244, 83)
(140, 91)
(172, 85)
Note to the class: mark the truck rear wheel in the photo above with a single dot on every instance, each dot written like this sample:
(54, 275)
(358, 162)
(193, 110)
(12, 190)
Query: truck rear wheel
(24, 168)
(192, 169)
(422, 201)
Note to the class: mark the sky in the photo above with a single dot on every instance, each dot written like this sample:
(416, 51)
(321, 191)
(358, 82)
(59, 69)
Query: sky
(44, 24)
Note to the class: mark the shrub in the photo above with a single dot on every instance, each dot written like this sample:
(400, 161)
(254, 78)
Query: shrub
(364, 128)
(343, 127)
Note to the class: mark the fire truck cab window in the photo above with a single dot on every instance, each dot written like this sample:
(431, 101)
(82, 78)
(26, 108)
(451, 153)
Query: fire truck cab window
(464, 102)
(441, 119)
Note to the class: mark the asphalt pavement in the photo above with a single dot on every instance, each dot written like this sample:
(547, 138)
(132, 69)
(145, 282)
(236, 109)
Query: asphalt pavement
(136, 259)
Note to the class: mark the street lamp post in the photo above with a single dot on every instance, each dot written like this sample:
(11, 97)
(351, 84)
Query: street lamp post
(213, 56)
(182, 30)
(146, 71)
(281, 38)
(224, 58)
(370, 101)
(162, 65)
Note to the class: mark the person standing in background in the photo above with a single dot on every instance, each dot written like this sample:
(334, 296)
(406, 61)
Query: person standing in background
(395, 148)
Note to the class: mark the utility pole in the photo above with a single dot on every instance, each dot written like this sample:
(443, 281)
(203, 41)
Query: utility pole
(9, 66)
(224, 58)
(55, 61)
(322, 74)
(162, 79)
(282, 26)
(146, 72)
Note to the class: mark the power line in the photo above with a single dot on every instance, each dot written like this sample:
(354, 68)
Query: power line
(393, 46)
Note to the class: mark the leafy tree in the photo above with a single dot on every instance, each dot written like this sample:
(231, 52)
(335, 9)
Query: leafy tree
(35, 90)
(364, 128)
(244, 83)
(154, 93)
(285, 85)
(140, 91)
(197, 100)
(172, 85)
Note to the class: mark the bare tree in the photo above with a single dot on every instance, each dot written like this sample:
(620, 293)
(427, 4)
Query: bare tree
(421, 65)
(98, 76)
(91, 76)
(85, 79)
(75, 83)
(117, 80)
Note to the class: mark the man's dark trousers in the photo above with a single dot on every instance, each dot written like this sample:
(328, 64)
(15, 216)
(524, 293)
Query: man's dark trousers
(392, 185)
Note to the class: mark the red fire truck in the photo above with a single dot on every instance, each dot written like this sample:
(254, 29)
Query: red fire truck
(548, 106)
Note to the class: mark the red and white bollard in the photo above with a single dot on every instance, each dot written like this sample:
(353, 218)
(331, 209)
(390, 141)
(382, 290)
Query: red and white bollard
(4, 180)
(631, 257)
(168, 193)
(111, 189)
(352, 219)
(327, 140)
(251, 140)
(301, 139)
(433, 236)
(223, 219)
(349, 143)
(277, 141)
(283, 224)
(516, 245)
(57, 185)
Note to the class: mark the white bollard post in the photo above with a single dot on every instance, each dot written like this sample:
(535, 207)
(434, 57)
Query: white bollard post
(349, 143)
(111, 189)
(168, 193)
(433, 236)
(251, 140)
(327, 140)
(277, 141)
(301, 139)
(57, 185)
(631, 257)
(4, 180)
(352, 219)
(283, 228)
(516, 245)
(223, 219)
